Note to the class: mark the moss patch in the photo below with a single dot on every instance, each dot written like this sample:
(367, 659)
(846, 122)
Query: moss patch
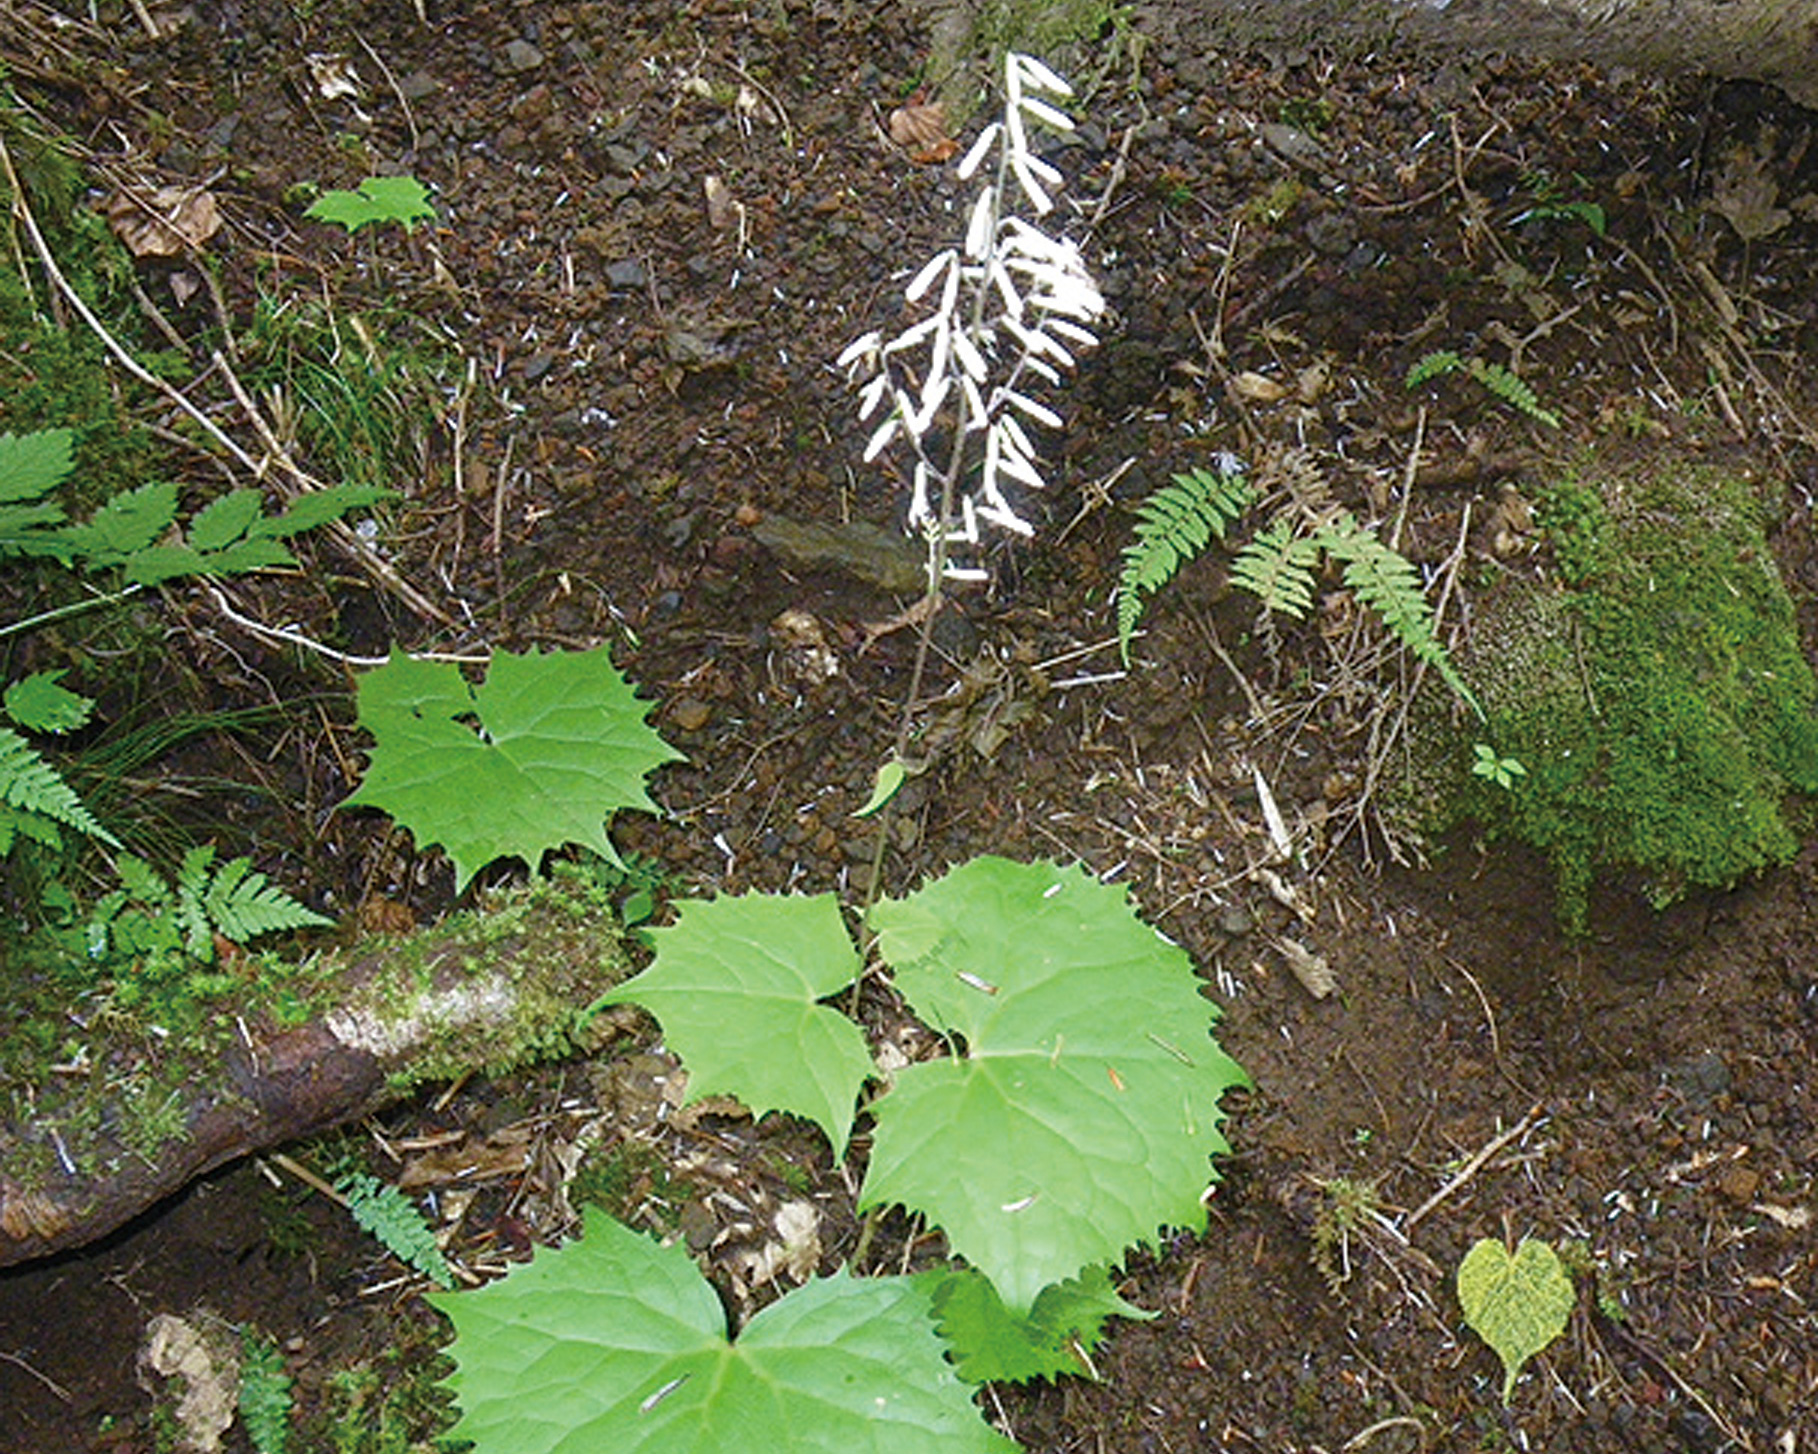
(1654, 689)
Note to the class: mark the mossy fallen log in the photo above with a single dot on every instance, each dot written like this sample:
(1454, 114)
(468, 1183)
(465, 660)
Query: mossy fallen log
(82, 1153)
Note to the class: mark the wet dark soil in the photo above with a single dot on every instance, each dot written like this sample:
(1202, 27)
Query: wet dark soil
(1280, 237)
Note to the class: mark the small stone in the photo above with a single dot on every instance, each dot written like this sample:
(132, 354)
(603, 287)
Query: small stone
(537, 365)
(419, 85)
(690, 714)
(1235, 920)
(521, 55)
(1739, 1184)
(626, 273)
(747, 515)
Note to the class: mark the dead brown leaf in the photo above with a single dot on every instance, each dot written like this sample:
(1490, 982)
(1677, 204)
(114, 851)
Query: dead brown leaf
(920, 128)
(163, 223)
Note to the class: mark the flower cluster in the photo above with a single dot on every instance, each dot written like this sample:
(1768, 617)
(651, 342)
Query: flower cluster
(1010, 305)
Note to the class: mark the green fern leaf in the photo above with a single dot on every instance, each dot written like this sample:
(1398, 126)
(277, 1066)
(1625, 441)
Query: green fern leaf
(1440, 361)
(265, 1398)
(1172, 527)
(1386, 581)
(387, 1214)
(1513, 390)
(233, 901)
(30, 783)
(1277, 568)
(125, 525)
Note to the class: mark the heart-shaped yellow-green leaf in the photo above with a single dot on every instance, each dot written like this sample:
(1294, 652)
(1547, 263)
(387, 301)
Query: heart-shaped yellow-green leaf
(1517, 1304)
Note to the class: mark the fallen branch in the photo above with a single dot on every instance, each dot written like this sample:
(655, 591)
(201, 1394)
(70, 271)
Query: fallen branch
(408, 1010)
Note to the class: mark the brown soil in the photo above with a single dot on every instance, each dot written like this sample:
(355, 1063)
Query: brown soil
(654, 386)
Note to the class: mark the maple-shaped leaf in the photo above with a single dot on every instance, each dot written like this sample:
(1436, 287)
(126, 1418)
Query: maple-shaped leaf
(1077, 1116)
(403, 200)
(543, 753)
(989, 1343)
(737, 985)
(613, 1342)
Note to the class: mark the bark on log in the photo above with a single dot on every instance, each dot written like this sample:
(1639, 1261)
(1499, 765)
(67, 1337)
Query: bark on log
(411, 1009)
(1773, 41)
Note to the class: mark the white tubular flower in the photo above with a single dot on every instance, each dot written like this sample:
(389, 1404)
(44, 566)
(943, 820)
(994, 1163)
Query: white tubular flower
(970, 359)
(920, 513)
(1040, 413)
(872, 395)
(1045, 113)
(930, 271)
(980, 150)
(885, 433)
(978, 232)
(1033, 73)
(862, 350)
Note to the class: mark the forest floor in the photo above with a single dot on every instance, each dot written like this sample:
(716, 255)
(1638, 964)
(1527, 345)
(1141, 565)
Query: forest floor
(640, 410)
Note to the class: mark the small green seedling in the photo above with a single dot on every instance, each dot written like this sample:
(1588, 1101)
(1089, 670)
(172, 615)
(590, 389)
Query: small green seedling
(1495, 768)
(890, 776)
(403, 200)
(1516, 1302)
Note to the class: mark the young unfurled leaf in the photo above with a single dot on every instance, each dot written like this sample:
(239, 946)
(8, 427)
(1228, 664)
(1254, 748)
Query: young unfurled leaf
(889, 781)
(1081, 1117)
(737, 985)
(542, 754)
(613, 1342)
(990, 1344)
(1519, 1304)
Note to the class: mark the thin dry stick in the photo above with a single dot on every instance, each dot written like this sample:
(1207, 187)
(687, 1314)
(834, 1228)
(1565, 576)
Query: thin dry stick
(1473, 1166)
(290, 637)
(396, 90)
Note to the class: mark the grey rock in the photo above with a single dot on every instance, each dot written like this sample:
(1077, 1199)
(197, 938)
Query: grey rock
(521, 56)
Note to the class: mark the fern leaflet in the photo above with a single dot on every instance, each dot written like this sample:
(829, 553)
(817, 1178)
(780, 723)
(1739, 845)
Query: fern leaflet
(1441, 361)
(1277, 568)
(1172, 527)
(31, 785)
(1513, 390)
(390, 1216)
(1385, 580)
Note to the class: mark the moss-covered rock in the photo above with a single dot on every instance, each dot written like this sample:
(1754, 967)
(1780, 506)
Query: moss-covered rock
(1653, 688)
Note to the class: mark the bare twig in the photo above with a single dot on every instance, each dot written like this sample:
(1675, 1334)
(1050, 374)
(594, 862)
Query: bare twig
(1474, 1165)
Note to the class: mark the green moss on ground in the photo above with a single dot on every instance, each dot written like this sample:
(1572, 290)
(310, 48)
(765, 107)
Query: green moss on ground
(1655, 690)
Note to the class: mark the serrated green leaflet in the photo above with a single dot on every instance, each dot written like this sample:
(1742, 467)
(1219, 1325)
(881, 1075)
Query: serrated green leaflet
(1519, 1304)
(561, 745)
(38, 704)
(989, 1344)
(1080, 1118)
(616, 1343)
(736, 983)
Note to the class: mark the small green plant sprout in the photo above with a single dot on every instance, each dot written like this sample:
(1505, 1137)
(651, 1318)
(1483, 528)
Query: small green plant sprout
(1552, 205)
(1518, 1302)
(1074, 1118)
(393, 1219)
(1492, 767)
(1011, 306)
(1497, 380)
(403, 200)
(541, 754)
(1173, 526)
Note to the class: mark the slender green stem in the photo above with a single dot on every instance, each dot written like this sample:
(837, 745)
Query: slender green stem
(74, 608)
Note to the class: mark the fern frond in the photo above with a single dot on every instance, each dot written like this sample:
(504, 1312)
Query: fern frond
(242, 905)
(232, 901)
(1440, 361)
(265, 1398)
(1277, 568)
(1386, 581)
(1172, 527)
(30, 783)
(1513, 390)
(386, 1213)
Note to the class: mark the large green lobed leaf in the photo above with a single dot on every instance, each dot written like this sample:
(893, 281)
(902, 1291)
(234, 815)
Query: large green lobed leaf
(737, 984)
(614, 1343)
(543, 753)
(1079, 1113)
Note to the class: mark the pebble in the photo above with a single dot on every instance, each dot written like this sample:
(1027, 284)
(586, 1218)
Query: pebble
(521, 56)
(690, 714)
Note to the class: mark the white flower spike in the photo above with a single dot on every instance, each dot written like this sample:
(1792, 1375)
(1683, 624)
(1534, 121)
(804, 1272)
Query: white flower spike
(1012, 306)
